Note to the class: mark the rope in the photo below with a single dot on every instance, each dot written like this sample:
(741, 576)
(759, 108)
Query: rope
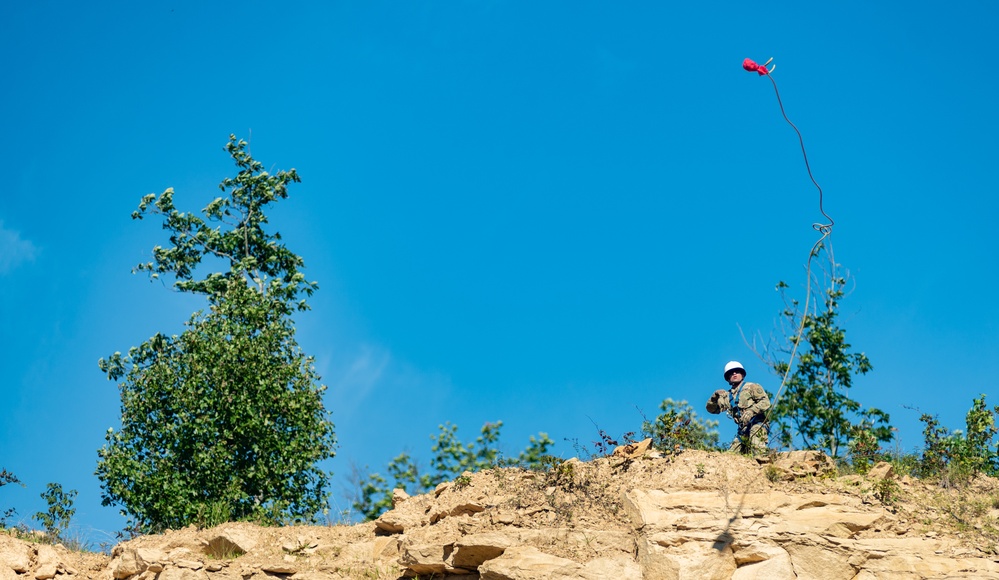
(801, 327)
(824, 229)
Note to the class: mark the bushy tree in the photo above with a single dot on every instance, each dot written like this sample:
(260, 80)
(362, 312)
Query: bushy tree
(226, 420)
(450, 458)
(957, 455)
(815, 406)
(678, 427)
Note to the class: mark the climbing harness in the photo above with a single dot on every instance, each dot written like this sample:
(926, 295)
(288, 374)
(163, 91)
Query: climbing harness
(825, 229)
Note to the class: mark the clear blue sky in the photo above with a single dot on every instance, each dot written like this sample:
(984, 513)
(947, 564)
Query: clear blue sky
(541, 213)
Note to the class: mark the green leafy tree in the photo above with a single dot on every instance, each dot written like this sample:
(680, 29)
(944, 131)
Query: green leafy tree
(450, 458)
(815, 406)
(678, 427)
(226, 420)
(56, 519)
(980, 450)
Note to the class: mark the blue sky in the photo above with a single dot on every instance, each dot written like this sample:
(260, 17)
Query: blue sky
(549, 214)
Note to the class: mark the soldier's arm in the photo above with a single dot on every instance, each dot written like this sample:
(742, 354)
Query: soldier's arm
(718, 403)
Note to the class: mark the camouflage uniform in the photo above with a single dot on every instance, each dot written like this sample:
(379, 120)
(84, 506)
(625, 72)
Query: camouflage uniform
(749, 412)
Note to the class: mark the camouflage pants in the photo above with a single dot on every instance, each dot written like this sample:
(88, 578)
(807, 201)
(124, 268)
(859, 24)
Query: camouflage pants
(752, 441)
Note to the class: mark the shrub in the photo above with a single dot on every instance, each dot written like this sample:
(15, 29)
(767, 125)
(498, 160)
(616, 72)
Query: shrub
(956, 456)
(678, 427)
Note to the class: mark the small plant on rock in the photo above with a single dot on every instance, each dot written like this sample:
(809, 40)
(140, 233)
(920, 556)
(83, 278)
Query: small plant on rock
(560, 474)
(887, 491)
(606, 444)
(61, 510)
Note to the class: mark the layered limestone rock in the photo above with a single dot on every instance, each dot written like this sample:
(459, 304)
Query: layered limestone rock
(733, 527)
(695, 516)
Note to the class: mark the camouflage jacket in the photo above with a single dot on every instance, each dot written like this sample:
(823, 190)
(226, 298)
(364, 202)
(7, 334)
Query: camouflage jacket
(749, 403)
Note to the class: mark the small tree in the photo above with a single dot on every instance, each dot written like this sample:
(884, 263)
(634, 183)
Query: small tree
(815, 406)
(225, 421)
(56, 519)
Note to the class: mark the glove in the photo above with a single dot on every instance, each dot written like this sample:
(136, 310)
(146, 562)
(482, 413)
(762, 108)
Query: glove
(746, 419)
(718, 403)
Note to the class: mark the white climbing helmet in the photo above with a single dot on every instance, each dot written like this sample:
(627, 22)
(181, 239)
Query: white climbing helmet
(733, 365)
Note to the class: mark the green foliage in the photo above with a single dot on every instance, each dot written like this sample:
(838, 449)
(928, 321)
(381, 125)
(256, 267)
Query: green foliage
(887, 491)
(233, 232)
(373, 497)
(980, 452)
(865, 449)
(815, 406)
(560, 474)
(535, 455)
(904, 463)
(213, 513)
(450, 459)
(6, 477)
(226, 420)
(55, 521)
(678, 427)
(939, 446)
(957, 456)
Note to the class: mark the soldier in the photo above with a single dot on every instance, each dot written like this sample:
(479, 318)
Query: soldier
(747, 404)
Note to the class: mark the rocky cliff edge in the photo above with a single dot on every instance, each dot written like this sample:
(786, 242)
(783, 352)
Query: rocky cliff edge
(699, 515)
